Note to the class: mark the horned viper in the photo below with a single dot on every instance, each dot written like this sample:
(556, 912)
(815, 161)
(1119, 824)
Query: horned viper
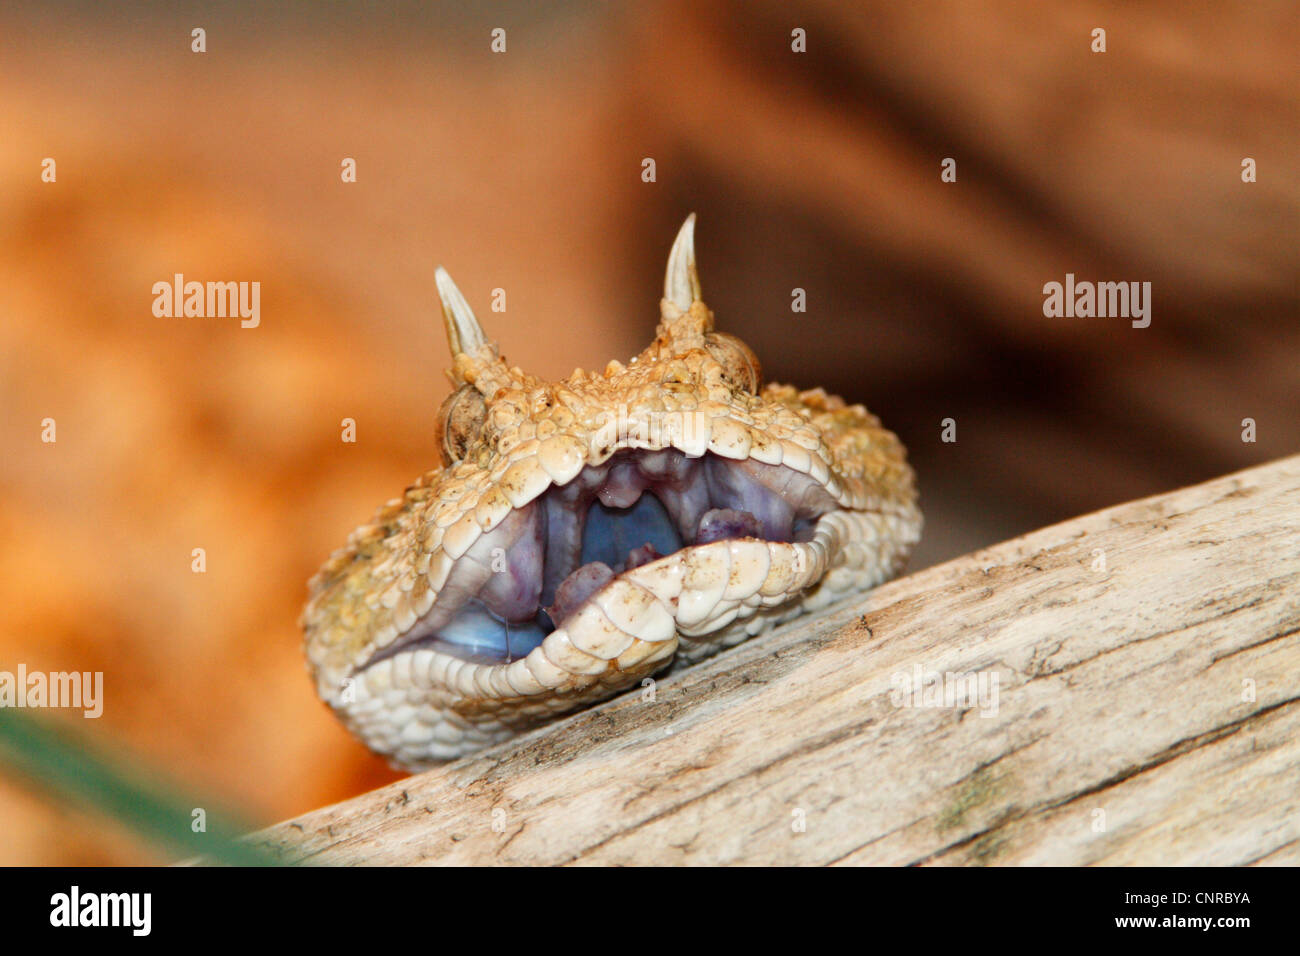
(582, 534)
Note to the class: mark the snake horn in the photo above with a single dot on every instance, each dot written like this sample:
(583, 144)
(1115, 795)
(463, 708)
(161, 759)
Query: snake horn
(464, 334)
(682, 280)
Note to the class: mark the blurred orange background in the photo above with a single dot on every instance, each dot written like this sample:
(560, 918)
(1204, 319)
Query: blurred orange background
(522, 171)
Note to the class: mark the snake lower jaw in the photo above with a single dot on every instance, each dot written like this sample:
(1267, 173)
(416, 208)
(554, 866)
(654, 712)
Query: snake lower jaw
(424, 706)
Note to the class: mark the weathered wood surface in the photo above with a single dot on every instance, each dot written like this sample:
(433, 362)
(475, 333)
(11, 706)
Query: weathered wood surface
(1147, 713)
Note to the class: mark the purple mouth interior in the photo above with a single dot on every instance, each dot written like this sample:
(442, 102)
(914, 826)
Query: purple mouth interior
(520, 581)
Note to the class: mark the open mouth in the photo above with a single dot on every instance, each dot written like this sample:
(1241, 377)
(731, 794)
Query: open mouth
(545, 560)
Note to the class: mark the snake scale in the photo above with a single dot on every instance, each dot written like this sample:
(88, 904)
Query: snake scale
(583, 534)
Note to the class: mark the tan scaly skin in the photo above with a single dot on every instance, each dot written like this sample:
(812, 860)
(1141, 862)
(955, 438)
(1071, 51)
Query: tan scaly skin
(689, 416)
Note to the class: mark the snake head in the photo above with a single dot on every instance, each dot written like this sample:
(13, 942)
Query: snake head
(583, 534)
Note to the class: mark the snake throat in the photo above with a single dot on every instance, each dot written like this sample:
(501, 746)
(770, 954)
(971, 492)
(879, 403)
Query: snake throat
(548, 558)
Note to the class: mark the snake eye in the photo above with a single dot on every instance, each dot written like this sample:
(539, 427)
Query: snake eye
(460, 419)
(740, 365)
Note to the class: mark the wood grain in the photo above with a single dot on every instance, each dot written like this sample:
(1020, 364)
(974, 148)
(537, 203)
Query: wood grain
(1147, 713)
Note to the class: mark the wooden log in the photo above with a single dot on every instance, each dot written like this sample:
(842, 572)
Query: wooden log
(1140, 679)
